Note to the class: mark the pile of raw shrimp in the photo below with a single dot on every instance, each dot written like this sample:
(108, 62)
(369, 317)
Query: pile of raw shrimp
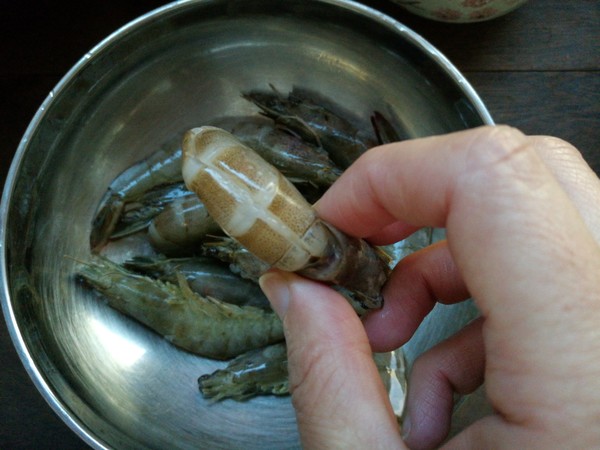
(198, 287)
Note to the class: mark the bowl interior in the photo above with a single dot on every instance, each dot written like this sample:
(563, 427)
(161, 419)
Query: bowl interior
(112, 380)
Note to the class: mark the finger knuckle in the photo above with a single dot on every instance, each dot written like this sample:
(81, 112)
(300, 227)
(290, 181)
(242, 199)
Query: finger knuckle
(497, 144)
(501, 154)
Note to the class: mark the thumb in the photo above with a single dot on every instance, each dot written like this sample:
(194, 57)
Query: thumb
(338, 395)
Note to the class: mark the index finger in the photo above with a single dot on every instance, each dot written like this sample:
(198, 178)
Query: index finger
(402, 185)
(511, 226)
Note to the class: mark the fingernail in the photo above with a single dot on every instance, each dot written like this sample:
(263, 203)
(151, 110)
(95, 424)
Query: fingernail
(275, 287)
(405, 428)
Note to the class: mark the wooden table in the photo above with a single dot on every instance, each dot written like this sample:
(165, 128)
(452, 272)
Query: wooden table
(537, 68)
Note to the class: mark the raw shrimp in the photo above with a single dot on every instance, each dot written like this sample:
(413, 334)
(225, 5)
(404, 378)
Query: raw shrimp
(256, 205)
(265, 372)
(258, 372)
(182, 225)
(295, 158)
(137, 215)
(202, 325)
(162, 167)
(205, 276)
(315, 120)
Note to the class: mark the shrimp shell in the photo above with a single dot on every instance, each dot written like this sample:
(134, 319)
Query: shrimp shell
(256, 205)
(205, 276)
(202, 325)
(182, 224)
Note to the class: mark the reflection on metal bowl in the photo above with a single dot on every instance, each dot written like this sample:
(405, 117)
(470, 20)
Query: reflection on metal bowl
(114, 382)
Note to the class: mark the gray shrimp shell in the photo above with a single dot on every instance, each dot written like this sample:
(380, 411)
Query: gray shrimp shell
(206, 276)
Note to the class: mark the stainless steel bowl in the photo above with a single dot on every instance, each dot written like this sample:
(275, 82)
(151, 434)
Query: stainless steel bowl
(114, 382)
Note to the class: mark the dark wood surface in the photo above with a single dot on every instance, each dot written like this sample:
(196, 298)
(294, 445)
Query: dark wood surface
(537, 68)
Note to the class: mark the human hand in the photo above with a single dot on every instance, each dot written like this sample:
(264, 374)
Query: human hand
(523, 230)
